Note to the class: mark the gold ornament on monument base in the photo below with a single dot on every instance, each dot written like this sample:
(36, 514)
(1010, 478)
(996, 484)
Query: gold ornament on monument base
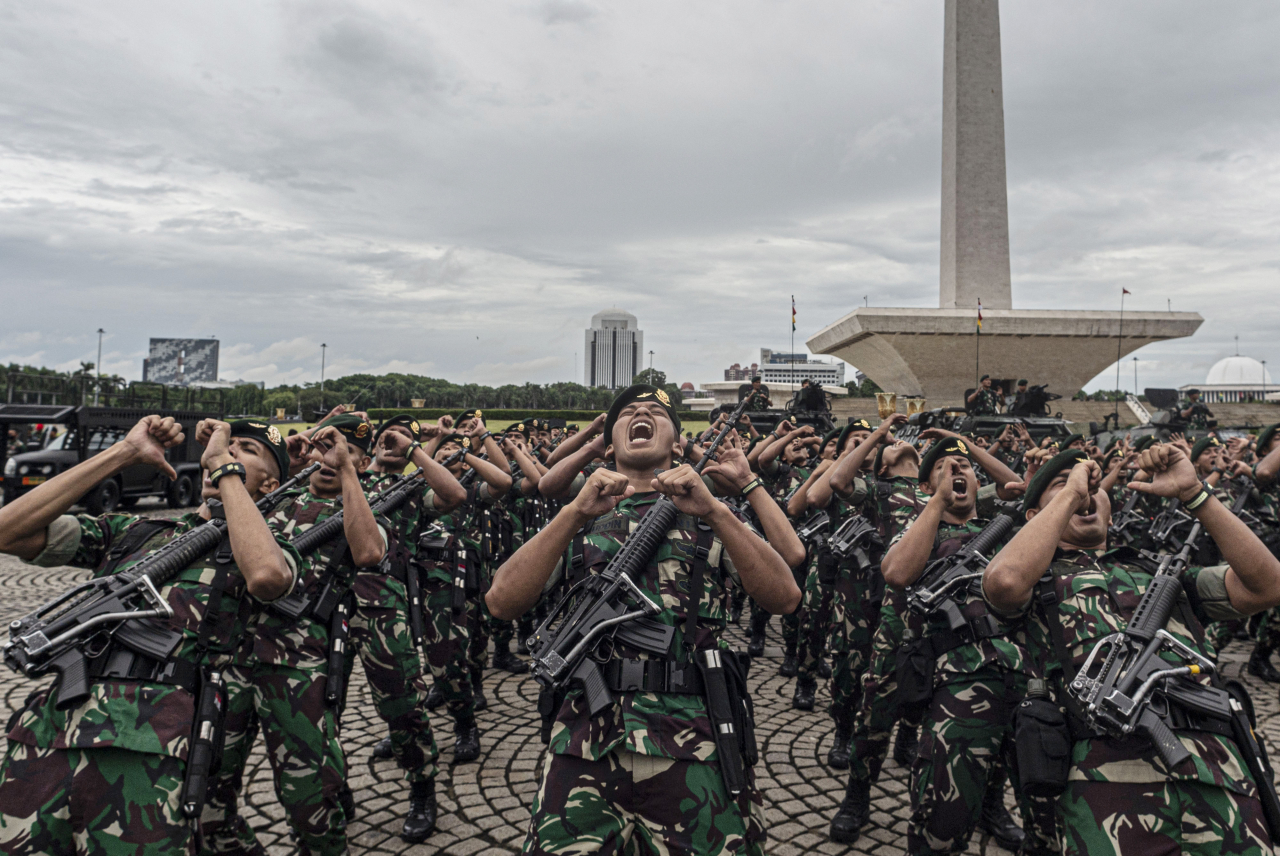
(886, 404)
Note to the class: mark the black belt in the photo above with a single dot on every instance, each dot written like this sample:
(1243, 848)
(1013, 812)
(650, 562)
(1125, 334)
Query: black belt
(121, 664)
(652, 676)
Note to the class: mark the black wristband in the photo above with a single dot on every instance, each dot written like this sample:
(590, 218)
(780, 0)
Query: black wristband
(235, 468)
(751, 485)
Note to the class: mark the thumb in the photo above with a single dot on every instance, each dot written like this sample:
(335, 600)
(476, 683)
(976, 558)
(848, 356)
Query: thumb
(1141, 487)
(168, 470)
(1018, 487)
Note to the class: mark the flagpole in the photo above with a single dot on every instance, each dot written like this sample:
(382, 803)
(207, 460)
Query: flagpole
(793, 342)
(977, 350)
(1119, 347)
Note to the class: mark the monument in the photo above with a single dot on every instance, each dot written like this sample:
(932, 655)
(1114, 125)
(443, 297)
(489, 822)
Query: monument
(939, 353)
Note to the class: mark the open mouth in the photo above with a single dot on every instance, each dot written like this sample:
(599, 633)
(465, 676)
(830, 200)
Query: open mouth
(640, 432)
(960, 488)
(327, 473)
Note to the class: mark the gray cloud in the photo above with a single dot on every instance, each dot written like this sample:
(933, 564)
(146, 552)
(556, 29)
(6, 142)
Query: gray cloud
(396, 179)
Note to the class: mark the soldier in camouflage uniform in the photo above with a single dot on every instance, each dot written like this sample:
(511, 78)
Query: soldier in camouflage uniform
(644, 775)
(1119, 797)
(453, 653)
(380, 626)
(983, 401)
(289, 673)
(105, 776)
(1265, 471)
(1194, 412)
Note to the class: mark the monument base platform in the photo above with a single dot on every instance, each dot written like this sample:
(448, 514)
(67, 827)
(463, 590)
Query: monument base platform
(934, 353)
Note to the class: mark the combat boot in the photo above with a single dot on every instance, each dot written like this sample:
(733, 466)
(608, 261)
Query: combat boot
(997, 822)
(382, 750)
(906, 746)
(852, 815)
(507, 661)
(838, 755)
(477, 691)
(806, 688)
(421, 820)
(790, 665)
(1260, 664)
(466, 740)
(435, 697)
(824, 669)
(347, 800)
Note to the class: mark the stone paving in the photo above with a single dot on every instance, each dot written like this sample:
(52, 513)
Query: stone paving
(484, 805)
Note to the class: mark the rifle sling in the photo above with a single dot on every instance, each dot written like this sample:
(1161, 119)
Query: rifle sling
(701, 550)
(131, 540)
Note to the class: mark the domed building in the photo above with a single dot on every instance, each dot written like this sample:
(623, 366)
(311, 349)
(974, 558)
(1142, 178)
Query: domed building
(1236, 379)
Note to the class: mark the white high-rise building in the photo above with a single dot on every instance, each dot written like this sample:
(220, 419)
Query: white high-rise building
(614, 351)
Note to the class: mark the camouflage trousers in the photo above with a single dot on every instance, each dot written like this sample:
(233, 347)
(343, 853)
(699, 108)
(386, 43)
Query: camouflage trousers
(307, 762)
(447, 640)
(639, 804)
(1219, 633)
(878, 706)
(393, 667)
(966, 745)
(855, 613)
(815, 622)
(1111, 818)
(102, 802)
(480, 624)
(1268, 633)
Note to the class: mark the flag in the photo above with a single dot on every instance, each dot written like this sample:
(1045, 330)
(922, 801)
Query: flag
(979, 314)
(793, 313)
(1124, 290)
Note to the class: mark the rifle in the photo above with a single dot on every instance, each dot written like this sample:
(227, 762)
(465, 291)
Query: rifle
(855, 538)
(57, 637)
(1125, 521)
(941, 578)
(1116, 695)
(610, 606)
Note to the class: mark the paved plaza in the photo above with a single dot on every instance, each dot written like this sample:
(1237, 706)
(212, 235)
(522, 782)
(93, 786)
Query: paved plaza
(484, 805)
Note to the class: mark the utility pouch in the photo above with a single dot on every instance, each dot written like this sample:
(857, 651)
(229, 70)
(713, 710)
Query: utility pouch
(205, 753)
(549, 701)
(915, 666)
(828, 567)
(1043, 741)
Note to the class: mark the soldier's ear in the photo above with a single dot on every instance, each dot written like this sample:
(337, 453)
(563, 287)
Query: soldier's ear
(270, 484)
(608, 452)
(364, 463)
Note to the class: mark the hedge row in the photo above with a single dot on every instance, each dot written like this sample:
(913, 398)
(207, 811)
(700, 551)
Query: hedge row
(378, 414)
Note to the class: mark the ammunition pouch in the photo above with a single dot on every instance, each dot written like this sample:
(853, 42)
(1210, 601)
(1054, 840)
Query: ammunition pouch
(1043, 741)
(917, 660)
(118, 663)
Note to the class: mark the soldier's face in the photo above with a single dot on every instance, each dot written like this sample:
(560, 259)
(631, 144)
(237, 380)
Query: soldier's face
(383, 453)
(445, 452)
(986, 383)
(643, 435)
(262, 473)
(829, 449)
(795, 453)
(901, 458)
(1085, 530)
(1272, 445)
(964, 482)
(1076, 444)
(325, 482)
(1206, 462)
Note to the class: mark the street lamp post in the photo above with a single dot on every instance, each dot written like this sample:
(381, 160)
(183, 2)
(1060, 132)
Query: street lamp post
(651, 368)
(1135, 377)
(98, 365)
(322, 347)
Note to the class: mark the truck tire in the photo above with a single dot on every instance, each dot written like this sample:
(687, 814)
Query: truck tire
(104, 498)
(182, 492)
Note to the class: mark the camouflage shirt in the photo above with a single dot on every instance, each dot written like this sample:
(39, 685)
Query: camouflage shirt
(304, 643)
(129, 714)
(1007, 649)
(986, 404)
(1096, 597)
(668, 725)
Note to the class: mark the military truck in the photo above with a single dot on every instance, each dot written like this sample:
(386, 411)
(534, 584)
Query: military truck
(90, 430)
(991, 427)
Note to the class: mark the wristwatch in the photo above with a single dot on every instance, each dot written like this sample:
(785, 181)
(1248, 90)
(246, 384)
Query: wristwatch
(234, 468)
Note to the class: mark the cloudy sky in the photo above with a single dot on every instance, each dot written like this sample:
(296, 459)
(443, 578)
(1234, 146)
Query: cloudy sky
(454, 188)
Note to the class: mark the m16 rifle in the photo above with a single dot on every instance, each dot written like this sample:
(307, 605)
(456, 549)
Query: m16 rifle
(857, 539)
(1128, 525)
(610, 606)
(943, 578)
(65, 634)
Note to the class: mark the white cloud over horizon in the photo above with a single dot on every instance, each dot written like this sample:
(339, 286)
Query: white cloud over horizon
(454, 189)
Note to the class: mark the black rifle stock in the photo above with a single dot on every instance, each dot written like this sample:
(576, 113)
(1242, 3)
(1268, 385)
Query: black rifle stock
(610, 604)
(54, 638)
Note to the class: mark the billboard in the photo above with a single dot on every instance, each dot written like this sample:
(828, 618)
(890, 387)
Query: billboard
(181, 361)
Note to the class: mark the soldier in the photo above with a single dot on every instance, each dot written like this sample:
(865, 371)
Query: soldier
(1120, 797)
(105, 775)
(1194, 412)
(983, 401)
(293, 693)
(968, 682)
(758, 398)
(381, 626)
(1267, 451)
(647, 768)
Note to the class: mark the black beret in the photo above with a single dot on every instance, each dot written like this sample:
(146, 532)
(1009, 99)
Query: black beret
(855, 425)
(634, 393)
(1069, 439)
(1193, 392)
(941, 448)
(467, 414)
(1047, 473)
(827, 438)
(572, 426)
(1144, 443)
(403, 419)
(1022, 382)
(1265, 435)
(269, 436)
(461, 439)
(1205, 442)
(521, 428)
(984, 377)
(355, 429)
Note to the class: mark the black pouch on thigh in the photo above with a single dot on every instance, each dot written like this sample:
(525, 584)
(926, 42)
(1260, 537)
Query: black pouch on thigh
(1043, 741)
(915, 665)
(828, 568)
